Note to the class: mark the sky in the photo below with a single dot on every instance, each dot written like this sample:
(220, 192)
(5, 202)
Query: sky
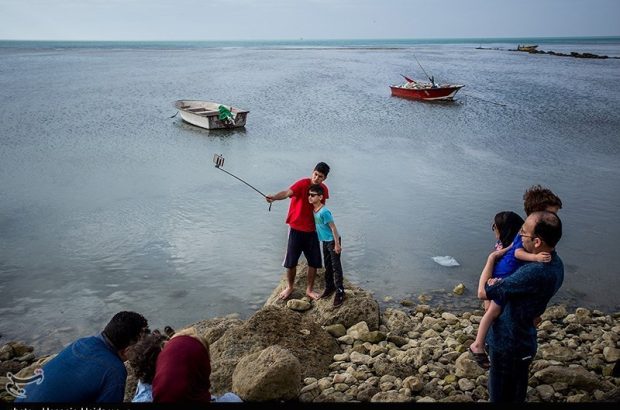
(175, 20)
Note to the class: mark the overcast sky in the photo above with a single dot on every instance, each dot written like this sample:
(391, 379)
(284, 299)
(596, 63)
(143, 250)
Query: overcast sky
(308, 19)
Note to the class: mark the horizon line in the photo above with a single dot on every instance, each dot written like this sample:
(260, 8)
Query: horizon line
(301, 39)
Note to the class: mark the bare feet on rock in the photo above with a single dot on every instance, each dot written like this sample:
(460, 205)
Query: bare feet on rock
(285, 294)
(313, 295)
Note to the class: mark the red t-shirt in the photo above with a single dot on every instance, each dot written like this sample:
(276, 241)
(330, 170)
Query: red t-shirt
(300, 211)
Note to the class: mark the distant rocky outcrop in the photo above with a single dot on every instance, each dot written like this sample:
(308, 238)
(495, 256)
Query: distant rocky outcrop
(571, 54)
(553, 53)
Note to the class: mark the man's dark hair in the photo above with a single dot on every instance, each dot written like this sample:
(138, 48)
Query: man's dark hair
(537, 198)
(317, 189)
(125, 328)
(548, 228)
(143, 356)
(323, 168)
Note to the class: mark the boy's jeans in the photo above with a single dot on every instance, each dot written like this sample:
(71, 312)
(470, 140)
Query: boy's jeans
(333, 267)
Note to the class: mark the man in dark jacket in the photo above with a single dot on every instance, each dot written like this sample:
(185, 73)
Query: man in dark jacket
(524, 295)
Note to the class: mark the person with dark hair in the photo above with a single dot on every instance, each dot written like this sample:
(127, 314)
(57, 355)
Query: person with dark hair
(537, 198)
(332, 245)
(524, 296)
(302, 235)
(142, 358)
(91, 369)
(509, 260)
(506, 226)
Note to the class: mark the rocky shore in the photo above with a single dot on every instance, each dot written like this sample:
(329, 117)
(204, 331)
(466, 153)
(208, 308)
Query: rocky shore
(307, 351)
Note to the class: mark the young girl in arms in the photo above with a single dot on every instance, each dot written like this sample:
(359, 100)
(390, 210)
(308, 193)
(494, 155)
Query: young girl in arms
(506, 226)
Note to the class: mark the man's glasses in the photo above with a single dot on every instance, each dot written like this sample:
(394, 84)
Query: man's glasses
(312, 194)
(524, 235)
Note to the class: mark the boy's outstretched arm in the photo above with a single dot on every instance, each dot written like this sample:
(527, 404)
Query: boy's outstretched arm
(524, 255)
(279, 196)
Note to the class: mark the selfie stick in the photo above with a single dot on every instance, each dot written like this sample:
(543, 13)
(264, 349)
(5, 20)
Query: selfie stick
(219, 163)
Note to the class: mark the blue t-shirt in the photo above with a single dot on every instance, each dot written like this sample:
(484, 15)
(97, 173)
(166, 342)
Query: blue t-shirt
(322, 218)
(87, 371)
(508, 264)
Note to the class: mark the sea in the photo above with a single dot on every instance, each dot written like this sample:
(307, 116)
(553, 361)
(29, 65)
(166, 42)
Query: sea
(110, 202)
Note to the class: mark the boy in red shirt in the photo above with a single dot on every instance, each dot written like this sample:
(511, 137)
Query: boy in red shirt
(302, 235)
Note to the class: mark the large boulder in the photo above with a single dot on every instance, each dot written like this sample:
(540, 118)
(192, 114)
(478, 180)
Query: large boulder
(271, 374)
(359, 305)
(296, 332)
(213, 329)
(575, 377)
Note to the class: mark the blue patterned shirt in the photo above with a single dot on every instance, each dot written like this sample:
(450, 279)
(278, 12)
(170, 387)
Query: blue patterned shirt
(524, 295)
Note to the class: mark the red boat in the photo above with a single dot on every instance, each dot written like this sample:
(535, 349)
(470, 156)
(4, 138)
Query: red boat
(431, 91)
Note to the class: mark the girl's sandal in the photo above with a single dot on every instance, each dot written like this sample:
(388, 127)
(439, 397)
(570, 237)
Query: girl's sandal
(482, 359)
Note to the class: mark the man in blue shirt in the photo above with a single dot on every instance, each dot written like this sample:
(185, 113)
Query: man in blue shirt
(524, 296)
(91, 369)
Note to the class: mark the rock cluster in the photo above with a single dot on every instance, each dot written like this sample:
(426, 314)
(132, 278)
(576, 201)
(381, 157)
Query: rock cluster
(311, 352)
(552, 53)
(571, 54)
(421, 356)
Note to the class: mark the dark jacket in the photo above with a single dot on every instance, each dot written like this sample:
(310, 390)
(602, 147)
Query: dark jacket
(524, 296)
(89, 370)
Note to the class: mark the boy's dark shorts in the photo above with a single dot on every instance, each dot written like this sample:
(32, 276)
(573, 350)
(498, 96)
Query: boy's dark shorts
(306, 242)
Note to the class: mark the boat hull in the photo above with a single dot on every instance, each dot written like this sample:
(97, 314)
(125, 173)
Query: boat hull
(441, 93)
(205, 114)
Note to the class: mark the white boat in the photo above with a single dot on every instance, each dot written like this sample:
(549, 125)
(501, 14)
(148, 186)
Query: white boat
(211, 115)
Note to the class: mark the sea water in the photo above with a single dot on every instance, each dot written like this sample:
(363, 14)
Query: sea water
(109, 201)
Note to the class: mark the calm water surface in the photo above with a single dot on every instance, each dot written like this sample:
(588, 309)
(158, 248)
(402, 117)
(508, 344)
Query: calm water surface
(108, 204)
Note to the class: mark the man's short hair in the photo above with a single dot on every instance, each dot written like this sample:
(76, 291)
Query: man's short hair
(548, 227)
(316, 188)
(537, 198)
(323, 168)
(125, 329)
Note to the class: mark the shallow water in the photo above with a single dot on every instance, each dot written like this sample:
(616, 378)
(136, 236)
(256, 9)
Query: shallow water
(109, 204)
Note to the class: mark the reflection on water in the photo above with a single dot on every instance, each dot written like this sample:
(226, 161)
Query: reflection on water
(112, 205)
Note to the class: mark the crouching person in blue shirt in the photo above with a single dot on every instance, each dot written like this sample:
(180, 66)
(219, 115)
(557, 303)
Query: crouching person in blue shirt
(524, 296)
(91, 369)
